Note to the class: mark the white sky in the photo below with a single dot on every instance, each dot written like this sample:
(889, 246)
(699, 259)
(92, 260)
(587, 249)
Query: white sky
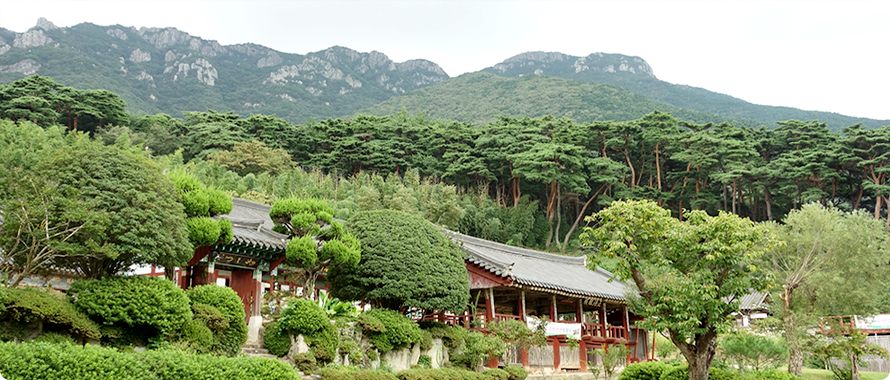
(814, 55)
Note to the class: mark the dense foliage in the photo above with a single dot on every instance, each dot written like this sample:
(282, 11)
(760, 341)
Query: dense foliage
(144, 223)
(226, 340)
(136, 303)
(406, 262)
(53, 310)
(690, 274)
(45, 361)
(396, 330)
(318, 243)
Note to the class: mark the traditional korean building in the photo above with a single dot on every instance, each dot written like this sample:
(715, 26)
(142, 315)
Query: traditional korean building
(508, 282)
(245, 264)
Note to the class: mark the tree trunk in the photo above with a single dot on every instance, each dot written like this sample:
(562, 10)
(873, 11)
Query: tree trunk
(309, 283)
(854, 366)
(698, 368)
(795, 351)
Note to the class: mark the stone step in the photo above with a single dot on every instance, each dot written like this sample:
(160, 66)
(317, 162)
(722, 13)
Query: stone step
(270, 356)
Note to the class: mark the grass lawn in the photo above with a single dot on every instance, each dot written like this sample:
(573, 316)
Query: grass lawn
(821, 374)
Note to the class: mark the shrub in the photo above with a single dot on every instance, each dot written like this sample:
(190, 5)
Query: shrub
(643, 371)
(496, 374)
(197, 334)
(212, 317)
(399, 331)
(370, 323)
(324, 343)
(366, 374)
(426, 340)
(682, 373)
(305, 362)
(330, 373)
(303, 316)
(440, 374)
(135, 302)
(477, 348)
(516, 373)
(276, 341)
(26, 305)
(53, 338)
(772, 375)
(229, 340)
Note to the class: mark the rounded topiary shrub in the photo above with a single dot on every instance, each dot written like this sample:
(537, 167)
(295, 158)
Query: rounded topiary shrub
(398, 330)
(496, 374)
(212, 317)
(133, 302)
(229, 340)
(303, 316)
(329, 373)
(276, 341)
(197, 334)
(676, 373)
(516, 373)
(644, 371)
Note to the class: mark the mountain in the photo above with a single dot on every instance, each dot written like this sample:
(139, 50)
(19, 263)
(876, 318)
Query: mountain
(480, 97)
(167, 70)
(634, 74)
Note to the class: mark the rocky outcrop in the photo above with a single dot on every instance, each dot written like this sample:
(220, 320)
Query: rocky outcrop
(117, 33)
(140, 56)
(539, 62)
(271, 59)
(46, 24)
(26, 67)
(31, 38)
(163, 38)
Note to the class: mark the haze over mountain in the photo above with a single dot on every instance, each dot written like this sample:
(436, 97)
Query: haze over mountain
(165, 70)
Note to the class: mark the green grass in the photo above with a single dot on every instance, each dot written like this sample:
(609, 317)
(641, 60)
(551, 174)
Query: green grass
(821, 374)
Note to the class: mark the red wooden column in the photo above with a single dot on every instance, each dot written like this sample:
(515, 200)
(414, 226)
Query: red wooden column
(604, 326)
(553, 318)
(489, 317)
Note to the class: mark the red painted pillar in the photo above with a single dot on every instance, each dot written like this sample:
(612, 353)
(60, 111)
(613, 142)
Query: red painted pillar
(582, 346)
(489, 317)
(523, 352)
(553, 318)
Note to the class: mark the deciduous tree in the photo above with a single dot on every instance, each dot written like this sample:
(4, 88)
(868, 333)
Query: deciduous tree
(689, 275)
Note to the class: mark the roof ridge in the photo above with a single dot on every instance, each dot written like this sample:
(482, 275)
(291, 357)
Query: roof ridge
(519, 250)
(251, 204)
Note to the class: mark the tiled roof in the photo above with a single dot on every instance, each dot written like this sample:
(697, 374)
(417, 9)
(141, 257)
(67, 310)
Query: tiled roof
(251, 225)
(541, 270)
(754, 301)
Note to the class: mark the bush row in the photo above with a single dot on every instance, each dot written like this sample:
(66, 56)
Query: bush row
(46, 361)
(664, 371)
(509, 373)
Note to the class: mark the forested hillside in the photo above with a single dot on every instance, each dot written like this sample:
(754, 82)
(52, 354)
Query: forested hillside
(634, 74)
(524, 180)
(480, 98)
(164, 70)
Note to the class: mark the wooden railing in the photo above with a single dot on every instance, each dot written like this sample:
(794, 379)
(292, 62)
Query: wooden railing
(596, 330)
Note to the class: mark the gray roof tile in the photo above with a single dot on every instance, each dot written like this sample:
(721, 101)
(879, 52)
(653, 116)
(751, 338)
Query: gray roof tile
(542, 270)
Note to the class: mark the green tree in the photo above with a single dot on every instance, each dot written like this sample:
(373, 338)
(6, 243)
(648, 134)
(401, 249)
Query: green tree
(689, 275)
(253, 157)
(823, 249)
(406, 262)
(143, 221)
(318, 243)
(37, 221)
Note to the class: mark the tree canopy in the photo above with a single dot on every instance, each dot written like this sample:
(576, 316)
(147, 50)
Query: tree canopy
(143, 221)
(406, 262)
(690, 275)
(318, 243)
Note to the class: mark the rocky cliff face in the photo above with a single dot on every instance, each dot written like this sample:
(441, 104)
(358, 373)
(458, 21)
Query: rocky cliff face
(558, 64)
(157, 69)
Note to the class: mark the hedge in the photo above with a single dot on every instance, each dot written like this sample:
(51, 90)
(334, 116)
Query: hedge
(39, 361)
(26, 305)
(133, 302)
(644, 371)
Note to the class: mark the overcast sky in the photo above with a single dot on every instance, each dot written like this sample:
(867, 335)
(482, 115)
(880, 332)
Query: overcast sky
(814, 55)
